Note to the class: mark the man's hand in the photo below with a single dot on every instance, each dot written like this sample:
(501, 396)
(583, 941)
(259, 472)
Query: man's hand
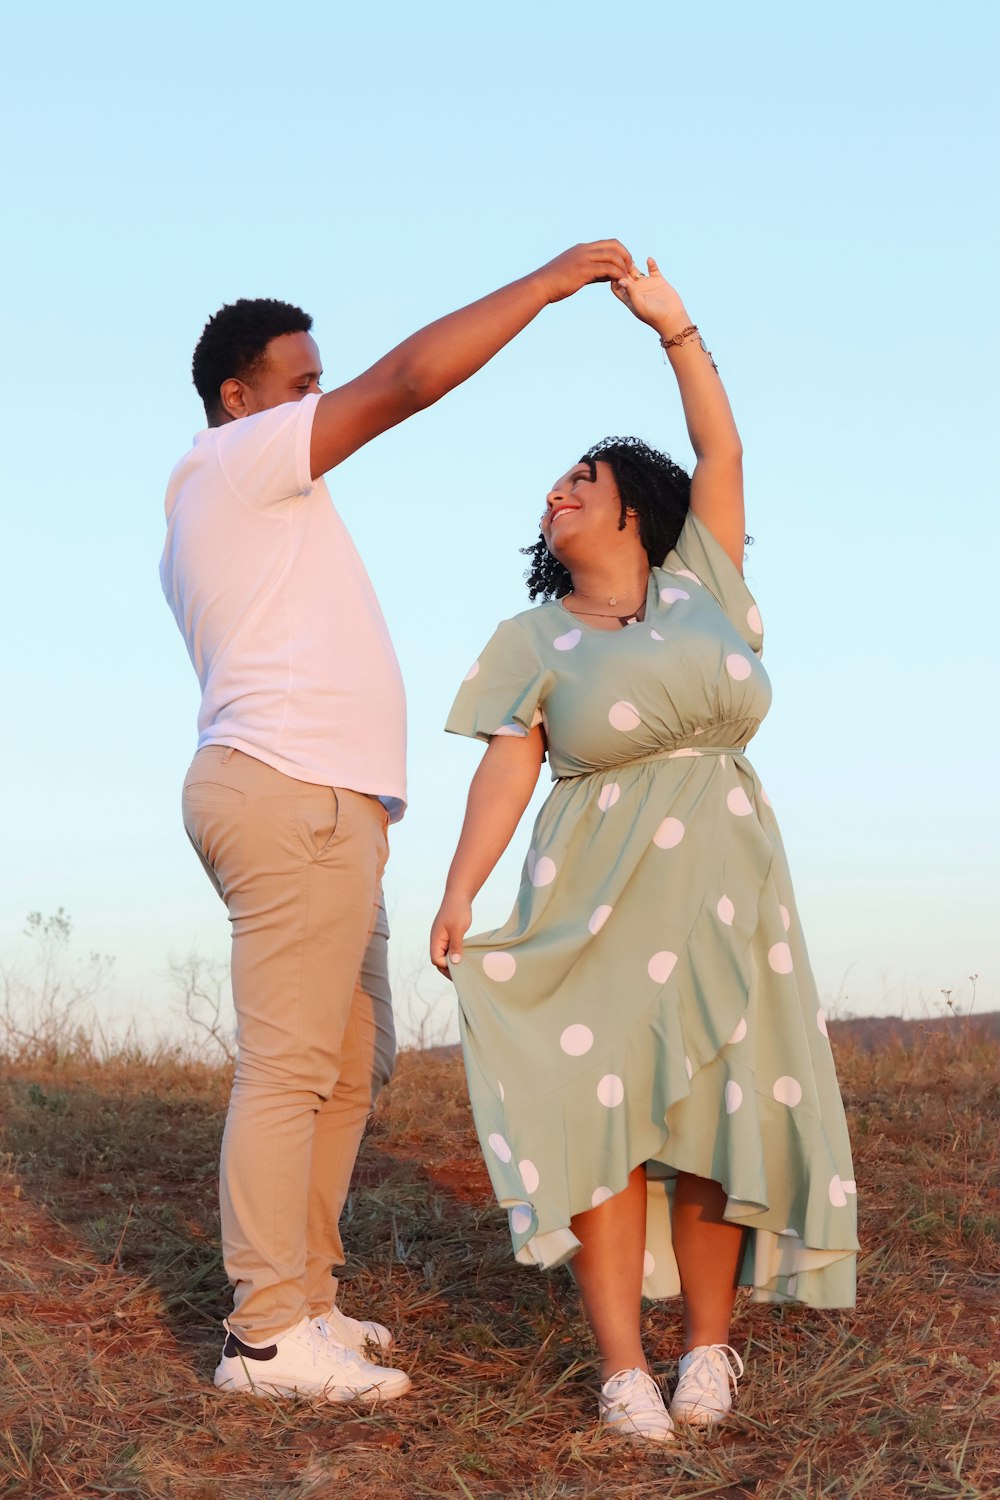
(603, 260)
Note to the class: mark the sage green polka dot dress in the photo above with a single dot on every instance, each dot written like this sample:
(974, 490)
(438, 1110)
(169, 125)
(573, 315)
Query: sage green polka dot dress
(650, 1000)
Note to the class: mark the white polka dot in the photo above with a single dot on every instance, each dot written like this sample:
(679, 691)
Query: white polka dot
(689, 1067)
(624, 716)
(681, 754)
(576, 1040)
(738, 667)
(670, 596)
(661, 966)
(611, 1090)
(510, 731)
(780, 958)
(520, 1218)
(544, 872)
(788, 1091)
(568, 641)
(821, 1022)
(739, 803)
(598, 919)
(849, 1185)
(734, 1097)
(838, 1197)
(765, 798)
(529, 1175)
(648, 1264)
(500, 1148)
(499, 966)
(786, 920)
(472, 671)
(600, 1195)
(754, 620)
(739, 1033)
(500, 1090)
(669, 833)
(656, 635)
(686, 573)
(726, 911)
(608, 796)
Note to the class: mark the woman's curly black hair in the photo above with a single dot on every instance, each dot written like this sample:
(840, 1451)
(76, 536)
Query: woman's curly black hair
(649, 482)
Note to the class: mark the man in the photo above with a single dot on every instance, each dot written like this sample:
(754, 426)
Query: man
(299, 769)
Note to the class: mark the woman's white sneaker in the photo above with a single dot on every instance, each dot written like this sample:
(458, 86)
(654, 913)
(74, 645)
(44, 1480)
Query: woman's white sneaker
(306, 1361)
(362, 1335)
(706, 1385)
(631, 1405)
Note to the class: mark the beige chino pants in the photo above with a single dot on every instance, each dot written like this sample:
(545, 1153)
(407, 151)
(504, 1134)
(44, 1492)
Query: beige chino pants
(299, 867)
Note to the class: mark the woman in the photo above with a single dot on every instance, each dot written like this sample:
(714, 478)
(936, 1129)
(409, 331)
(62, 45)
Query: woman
(648, 1062)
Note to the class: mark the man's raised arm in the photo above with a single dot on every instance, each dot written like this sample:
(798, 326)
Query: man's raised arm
(430, 363)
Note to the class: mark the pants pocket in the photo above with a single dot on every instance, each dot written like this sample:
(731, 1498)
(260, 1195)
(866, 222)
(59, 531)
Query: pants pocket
(317, 818)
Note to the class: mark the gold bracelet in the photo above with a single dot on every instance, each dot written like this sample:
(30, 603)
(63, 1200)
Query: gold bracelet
(682, 338)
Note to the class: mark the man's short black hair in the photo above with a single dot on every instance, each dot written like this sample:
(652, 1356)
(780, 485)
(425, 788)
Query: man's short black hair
(232, 342)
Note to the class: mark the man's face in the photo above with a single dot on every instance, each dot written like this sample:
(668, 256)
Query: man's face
(291, 369)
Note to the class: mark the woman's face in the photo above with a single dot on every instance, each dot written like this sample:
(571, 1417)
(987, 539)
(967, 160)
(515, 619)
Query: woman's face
(582, 514)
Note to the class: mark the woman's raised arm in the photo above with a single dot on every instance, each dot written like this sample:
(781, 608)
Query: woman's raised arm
(717, 481)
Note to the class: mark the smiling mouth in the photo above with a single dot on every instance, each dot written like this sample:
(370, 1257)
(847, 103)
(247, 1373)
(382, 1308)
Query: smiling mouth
(561, 510)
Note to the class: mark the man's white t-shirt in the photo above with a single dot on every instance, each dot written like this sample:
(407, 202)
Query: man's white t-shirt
(279, 616)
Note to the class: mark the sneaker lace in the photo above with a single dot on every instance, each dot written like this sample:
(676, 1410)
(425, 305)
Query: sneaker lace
(323, 1344)
(704, 1371)
(637, 1391)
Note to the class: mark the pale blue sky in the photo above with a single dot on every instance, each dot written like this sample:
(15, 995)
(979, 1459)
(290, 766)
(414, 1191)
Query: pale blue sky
(821, 187)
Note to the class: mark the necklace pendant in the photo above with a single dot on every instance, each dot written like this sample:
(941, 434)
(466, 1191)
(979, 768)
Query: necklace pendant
(613, 599)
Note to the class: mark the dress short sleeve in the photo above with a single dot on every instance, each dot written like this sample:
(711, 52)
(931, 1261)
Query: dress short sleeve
(699, 556)
(503, 689)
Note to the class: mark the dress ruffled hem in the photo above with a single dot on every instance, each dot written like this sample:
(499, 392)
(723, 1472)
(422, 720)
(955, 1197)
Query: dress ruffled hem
(776, 1267)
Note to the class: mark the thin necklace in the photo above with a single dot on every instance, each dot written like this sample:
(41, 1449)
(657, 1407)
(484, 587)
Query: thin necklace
(623, 620)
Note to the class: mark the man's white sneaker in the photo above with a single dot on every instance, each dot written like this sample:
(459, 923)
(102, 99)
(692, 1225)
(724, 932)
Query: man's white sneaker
(305, 1361)
(706, 1385)
(631, 1405)
(363, 1336)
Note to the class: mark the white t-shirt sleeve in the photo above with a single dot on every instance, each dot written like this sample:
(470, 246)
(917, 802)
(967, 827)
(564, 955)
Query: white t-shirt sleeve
(265, 457)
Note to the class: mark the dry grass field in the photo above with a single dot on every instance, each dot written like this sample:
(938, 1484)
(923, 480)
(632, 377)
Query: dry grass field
(111, 1292)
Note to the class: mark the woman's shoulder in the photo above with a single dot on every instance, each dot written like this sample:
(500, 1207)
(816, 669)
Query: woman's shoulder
(530, 621)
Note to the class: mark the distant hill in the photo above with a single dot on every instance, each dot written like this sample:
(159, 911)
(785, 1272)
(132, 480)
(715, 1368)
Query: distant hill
(871, 1033)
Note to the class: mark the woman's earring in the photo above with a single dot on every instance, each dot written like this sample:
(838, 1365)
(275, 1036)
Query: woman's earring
(630, 511)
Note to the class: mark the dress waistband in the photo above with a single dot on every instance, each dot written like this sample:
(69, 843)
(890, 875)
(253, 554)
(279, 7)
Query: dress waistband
(688, 752)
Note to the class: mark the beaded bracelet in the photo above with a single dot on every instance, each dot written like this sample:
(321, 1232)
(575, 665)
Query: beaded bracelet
(682, 338)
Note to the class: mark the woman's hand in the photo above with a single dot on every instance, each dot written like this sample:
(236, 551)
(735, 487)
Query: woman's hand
(447, 931)
(501, 789)
(652, 300)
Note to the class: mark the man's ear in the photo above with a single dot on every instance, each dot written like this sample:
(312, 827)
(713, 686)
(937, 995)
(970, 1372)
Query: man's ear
(232, 397)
